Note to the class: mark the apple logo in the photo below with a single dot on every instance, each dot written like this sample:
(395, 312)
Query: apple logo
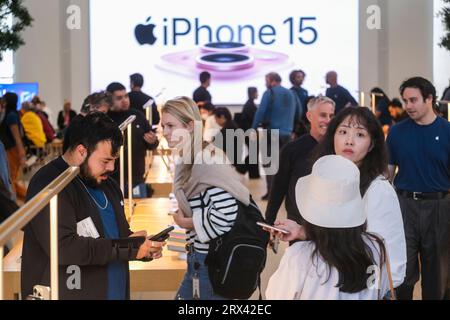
(145, 33)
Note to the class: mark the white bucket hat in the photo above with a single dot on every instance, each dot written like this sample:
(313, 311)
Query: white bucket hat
(330, 197)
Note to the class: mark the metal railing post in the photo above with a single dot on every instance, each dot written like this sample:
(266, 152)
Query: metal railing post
(362, 98)
(149, 114)
(27, 212)
(54, 263)
(121, 169)
(127, 125)
(130, 171)
(1, 273)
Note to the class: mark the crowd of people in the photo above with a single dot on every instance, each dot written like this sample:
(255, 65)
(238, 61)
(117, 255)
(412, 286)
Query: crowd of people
(363, 190)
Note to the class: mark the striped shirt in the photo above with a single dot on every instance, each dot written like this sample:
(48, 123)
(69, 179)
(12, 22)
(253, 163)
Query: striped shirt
(213, 212)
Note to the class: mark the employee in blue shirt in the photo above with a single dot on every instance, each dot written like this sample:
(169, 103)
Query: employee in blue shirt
(420, 148)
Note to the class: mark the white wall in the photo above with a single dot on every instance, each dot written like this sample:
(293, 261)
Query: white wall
(54, 56)
(401, 49)
(59, 58)
(441, 55)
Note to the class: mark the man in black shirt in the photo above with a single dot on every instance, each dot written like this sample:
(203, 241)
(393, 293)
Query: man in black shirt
(337, 93)
(295, 162)
(139, 99)
(201, 94)
(142, 136)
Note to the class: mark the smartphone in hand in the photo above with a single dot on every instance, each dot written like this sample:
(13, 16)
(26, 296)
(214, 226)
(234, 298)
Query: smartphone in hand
(163, 235)
(268, 226)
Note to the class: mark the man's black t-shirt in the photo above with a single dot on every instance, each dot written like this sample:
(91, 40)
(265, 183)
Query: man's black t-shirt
(201, 94)
(294, 164)
(140, 146)
(137, 101)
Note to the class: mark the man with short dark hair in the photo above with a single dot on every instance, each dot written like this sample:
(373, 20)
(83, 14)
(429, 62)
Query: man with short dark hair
(91, 220)
(337, 93)
(143, 138)
(201, 94)
(420, 148)
(297, 77)
(139, 100)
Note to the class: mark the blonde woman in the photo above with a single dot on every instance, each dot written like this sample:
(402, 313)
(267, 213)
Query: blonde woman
(207, 189)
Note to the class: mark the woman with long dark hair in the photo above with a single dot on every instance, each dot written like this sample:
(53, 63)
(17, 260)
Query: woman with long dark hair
(340, 260)
(356, 135)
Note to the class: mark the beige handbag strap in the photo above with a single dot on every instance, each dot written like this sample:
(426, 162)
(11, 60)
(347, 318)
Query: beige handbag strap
(391, 284)
(388, 271)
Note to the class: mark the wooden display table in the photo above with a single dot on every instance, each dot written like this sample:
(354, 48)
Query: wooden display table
(164, 274)
(159, 177)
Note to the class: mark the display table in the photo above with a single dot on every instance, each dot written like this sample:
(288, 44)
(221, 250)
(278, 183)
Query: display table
(159, 176)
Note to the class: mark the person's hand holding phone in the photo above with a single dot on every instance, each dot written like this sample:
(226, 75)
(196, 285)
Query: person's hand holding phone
(149, 249)
(274, 240)
(150, 137)
(296, 231)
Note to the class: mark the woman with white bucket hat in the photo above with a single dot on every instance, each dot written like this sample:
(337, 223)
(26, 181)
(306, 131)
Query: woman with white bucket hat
(356, 135)
(341, 261)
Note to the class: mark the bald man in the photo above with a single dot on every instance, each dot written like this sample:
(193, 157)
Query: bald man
(337, 93)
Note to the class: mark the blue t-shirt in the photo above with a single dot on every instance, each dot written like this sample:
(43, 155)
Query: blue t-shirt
(422, 154)
(281, 108)
(116, 270)
(341, 97)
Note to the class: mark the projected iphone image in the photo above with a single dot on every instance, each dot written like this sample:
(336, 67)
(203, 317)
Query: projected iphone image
(225, 47)
(225, 61)
(238, 43)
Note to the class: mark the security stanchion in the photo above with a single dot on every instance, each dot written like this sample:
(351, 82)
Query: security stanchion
(149, 115)
(127, 125)
(362, 98)
(374, 105)
(448, 107)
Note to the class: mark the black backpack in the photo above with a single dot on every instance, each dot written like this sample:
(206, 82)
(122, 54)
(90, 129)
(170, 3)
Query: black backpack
(236, 260)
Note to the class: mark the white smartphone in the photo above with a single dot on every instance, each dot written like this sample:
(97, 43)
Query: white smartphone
(268, 226)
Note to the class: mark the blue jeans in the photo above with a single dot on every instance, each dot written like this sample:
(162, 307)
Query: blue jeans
(185, 292)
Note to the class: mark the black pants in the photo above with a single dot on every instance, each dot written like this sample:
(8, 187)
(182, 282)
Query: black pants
(283, 140)
(253, 169)
(427, 226)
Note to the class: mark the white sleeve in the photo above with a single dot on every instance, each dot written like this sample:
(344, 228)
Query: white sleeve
(288, 281)
(384, 218)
